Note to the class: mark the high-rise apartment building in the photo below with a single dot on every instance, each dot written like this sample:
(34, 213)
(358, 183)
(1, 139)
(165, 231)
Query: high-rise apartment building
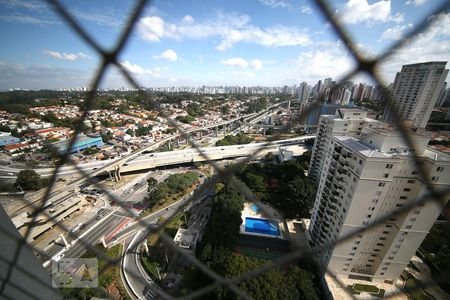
(361, 179)
(345, 122)
(415, 91)
(303, 92)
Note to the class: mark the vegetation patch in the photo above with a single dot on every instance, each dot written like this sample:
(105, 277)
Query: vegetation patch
(359, 288)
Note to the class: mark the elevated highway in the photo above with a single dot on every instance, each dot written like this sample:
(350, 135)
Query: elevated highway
(154, 160)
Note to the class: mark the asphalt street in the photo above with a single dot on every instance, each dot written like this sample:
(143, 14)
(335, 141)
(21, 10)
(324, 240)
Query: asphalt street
(92, 237)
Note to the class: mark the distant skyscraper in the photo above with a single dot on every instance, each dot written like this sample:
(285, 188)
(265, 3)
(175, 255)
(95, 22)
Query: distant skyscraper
(415, 91)
(365, 178)
(303, 92)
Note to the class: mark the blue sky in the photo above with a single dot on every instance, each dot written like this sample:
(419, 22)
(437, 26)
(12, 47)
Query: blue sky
(233, 42)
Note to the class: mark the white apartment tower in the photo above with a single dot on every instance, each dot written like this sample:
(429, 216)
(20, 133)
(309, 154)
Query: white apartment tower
(415, 91)
(346, 122)
(365, 178)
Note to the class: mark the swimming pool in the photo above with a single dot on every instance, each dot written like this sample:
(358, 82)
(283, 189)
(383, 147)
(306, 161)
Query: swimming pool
(261, 226)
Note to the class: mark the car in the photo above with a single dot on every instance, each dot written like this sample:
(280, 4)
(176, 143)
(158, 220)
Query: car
(58, 257)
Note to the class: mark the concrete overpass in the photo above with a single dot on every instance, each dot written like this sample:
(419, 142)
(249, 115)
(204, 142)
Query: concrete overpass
(154, 160)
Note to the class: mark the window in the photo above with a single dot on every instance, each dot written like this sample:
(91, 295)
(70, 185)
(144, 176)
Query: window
(354, 248)
(382, 273)
(414, 173)
(406, 189)
(368, 265)
(440, 169)
(381, 184)
(360, 161)
(368, 216)
(403, 197)
(389, 166)
(435, 178)
(386, 175)
(349, 259)
(374, 200)
(384, 269)
(357, 242)
(411, 181)
(390, 257)
(382, 238)
(380, 244)
(398, 205)
(371, 260)
(344, 269)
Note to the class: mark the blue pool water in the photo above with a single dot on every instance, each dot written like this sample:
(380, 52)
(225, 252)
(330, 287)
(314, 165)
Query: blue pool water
(262, 226)
(255, 208)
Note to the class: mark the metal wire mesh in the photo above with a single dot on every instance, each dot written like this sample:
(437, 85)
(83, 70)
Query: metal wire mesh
(110, 58)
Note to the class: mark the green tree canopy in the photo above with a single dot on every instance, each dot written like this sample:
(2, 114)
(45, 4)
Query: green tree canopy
(30, 180)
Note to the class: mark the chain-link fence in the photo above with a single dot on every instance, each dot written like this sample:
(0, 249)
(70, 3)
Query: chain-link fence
(368, 66)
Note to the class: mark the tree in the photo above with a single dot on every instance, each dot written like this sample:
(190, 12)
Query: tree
(296, 198)
(130, 132)
(30, 180)
(152, 183)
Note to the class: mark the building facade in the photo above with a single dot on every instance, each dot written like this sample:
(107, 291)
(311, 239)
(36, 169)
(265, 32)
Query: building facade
(345, 122)
(415, 91)
(367, 178)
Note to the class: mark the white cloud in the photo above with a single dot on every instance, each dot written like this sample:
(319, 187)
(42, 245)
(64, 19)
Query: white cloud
(132, 68)
(31, 5)
(237, 61)
(416, 2)
(240, 62)
(169, 54)
(41, 76)
(138, 70)
(20, 18)
(275, 3)
(306, 9)
(256, 63)
(360, 11)
(229, 28)
(188, 19)
(66, 56)
(317, 64)
(431, 45)
(395, 33)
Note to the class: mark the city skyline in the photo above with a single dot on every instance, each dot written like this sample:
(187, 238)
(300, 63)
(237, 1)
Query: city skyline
(257, 43)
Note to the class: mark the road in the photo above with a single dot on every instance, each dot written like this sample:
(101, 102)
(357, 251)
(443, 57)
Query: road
(91, 237)
(135, 277)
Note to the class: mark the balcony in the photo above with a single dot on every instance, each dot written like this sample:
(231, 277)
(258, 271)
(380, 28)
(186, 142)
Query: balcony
(362, 270)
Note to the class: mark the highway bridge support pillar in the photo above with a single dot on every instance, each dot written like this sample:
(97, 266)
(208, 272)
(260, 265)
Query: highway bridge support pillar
(178, 142)
(63, 238)
(217, 131)
(264, 131)
(201, 134)
(145, 247)
(119, 177)
(169, 145)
